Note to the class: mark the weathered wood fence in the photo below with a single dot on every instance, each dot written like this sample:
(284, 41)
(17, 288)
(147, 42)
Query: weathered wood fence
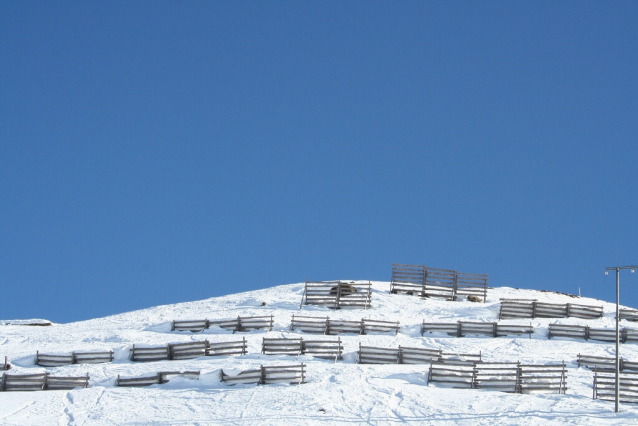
(41, 381)
(605, 386)
(531, 308)
(628, 314)
(627, 335)
(327, 326)
(53, 360)
(188, 350)
(5, 366)
(293, 374)
(504, 377)
(328, 349)
(409, 355)
(155, 379)
(437, 283)
(465, 328)
(234, 324)
(601, 363)
(337, 294)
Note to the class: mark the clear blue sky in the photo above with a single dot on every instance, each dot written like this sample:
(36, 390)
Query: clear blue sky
(159, 152)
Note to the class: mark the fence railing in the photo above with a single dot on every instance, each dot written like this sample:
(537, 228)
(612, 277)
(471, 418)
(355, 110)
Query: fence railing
(337, 294)
(531, 308)
(438, 283)
(56, 360)
(331, 327)
(155, 379)
(504, 377)
(292, 374)
(328, 349)
(628, 314)
(466, 328)
(41, 381)
(626, 335)
(234, 324)
(188, 350)
(605, 386)
(601, 363)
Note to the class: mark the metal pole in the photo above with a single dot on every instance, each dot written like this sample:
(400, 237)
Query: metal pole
(617, 340)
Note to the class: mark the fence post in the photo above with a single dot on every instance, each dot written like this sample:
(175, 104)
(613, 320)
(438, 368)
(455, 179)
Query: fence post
(518, 387)
(494, 329)
(485, 290)
(262, 378)
(338, 295)
(425, 280)
(327, 329)
(455, 285)
(44, 381)
(533, 309)
(568, 309)
(458, 329)
(362, 330)
(244, 348)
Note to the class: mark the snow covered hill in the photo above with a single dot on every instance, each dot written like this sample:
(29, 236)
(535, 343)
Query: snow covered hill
(335, 393)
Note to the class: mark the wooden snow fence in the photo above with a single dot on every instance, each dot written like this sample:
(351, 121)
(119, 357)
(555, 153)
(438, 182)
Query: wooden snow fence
(327, 326)
(438, 283)
(337, 294)
(400, 355)
(465, 328)
(328, 349)
(531, 308)
(5, 366)
(584, 332)
(156, 379)
(601, 363)
(409, 355)
(605, 386)
(41, 381)
(235, 324)
(292, 374)
(52, 360)
(188, 350)
(628, 314)
(504, 377)
(409, 279)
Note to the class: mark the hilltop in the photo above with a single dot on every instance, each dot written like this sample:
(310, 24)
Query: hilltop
(341, 392)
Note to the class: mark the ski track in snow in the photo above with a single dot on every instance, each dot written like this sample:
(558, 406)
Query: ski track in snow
(336, 393)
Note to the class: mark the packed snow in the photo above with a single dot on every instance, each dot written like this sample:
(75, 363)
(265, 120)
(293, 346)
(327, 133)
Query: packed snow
(335, 393)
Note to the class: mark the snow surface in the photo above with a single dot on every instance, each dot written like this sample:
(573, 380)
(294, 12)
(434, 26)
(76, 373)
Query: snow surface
(336, 393)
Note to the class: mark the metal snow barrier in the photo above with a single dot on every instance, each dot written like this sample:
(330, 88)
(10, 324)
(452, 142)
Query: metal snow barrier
(331, 327)
(531, 308)
(604, 364)
(292, 374)
(504, 377)
(628, 314)
(584, 332)
(439, 283)
(605, 386)
(466, 328)
(337, 294)
(41, 381)
(328, 349)
(234, 324)
(5, 366)
(51, 360)
(188, 350)
(156, 379)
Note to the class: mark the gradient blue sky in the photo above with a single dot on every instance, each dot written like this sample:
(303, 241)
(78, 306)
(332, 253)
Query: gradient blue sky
(159, 152)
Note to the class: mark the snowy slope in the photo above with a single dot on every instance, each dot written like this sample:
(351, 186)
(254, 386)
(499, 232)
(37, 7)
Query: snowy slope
(342, 392)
